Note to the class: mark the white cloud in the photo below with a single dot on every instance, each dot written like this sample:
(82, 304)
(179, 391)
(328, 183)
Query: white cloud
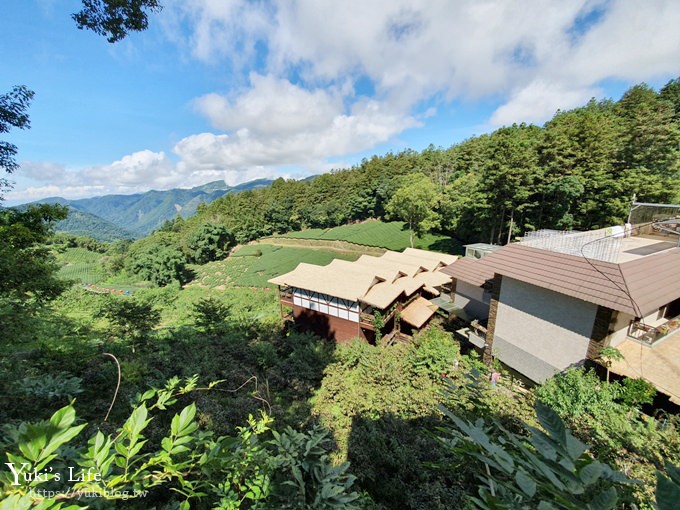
(42, 171)
(272, 106)
(539, 101)
(632, 42)
(32, 193)
(134, 171)
(218, 28)
(276, 123)
(304, 129)
(414, 51)
(635, 41)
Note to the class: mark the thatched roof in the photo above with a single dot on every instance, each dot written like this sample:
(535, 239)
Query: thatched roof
(376, 281)
(418, 312)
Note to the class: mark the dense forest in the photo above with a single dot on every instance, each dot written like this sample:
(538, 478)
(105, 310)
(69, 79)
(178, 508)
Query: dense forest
(188, 395)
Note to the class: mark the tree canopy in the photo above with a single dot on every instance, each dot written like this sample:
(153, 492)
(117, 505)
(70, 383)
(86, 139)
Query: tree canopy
(115, 19)
(13, 114)
(415, 203)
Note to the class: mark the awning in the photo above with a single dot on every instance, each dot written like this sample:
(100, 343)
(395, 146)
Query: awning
(444, 302)
(418, 312)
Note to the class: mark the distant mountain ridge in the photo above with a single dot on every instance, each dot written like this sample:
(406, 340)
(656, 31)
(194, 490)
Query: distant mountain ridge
(110, 217)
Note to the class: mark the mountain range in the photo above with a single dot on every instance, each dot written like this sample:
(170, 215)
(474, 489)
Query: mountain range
(112, 217)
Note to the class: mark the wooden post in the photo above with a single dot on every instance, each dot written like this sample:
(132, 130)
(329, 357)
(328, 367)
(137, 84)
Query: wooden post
(280, 302)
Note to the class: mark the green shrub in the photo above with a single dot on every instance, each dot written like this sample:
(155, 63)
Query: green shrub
(550, 469)
(578, 393)
(185, 465)
(434, 352)
(59, 384)
(210, 315)
(636, 392)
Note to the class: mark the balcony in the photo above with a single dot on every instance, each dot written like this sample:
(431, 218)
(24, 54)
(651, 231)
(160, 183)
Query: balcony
(650, 335)
(475, 333)
(286, 296)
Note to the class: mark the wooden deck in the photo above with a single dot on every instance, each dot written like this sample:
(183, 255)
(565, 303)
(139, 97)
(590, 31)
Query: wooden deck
(659, 364)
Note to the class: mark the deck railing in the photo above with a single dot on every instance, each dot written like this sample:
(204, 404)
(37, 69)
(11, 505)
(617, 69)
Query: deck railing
(651, 335)
(286, 294)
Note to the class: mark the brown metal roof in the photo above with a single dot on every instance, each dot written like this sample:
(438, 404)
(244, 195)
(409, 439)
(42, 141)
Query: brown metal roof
(651, 281)
(473, 271)
(654, 280)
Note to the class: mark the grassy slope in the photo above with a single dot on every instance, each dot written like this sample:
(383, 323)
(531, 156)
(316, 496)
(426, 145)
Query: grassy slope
(80, 265)
(247, 269)
(250, 266)
(84, 266)
(390, 235)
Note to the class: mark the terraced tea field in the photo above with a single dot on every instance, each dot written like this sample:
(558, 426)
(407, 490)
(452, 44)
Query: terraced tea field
(392, 235)
(80, 265)
(253, 265)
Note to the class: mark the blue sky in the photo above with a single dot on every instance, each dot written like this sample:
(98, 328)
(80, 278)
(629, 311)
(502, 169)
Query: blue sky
(238, 90)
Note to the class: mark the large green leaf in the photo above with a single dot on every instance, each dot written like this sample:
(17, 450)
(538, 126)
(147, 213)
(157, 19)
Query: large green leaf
(667, 492)
(551, 422)
(525, 483)
(590, 473)
(183, 424)
(604, 500)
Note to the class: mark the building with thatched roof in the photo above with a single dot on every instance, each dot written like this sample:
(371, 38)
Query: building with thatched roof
(343, 300)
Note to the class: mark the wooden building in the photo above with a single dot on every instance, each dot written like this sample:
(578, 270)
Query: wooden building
(344, 300)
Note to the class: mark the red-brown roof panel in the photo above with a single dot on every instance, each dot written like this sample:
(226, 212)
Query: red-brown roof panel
(650, 281)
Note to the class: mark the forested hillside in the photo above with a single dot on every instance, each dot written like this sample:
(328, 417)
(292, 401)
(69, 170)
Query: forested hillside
(112, 217)
(579, 171)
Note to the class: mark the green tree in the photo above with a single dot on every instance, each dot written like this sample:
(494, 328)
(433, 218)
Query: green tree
(650, 145)
(28, 272)
(607, 356)
(209, 242)
(132, 320)
(157, 259)
(13, 114)
(415, 203)
(671, 93)
(509, 177)
(115, 19)
(210, 315)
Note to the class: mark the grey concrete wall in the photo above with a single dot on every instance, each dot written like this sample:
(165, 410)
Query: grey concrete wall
(471, 299)
(551, 328)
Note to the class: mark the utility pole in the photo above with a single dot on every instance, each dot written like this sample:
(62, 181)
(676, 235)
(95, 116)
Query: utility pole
(512, 218)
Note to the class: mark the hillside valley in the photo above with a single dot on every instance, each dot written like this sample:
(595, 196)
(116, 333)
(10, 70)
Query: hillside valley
(111, 217)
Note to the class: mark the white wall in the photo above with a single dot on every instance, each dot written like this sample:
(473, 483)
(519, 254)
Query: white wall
(472, 300)
(539, 331)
